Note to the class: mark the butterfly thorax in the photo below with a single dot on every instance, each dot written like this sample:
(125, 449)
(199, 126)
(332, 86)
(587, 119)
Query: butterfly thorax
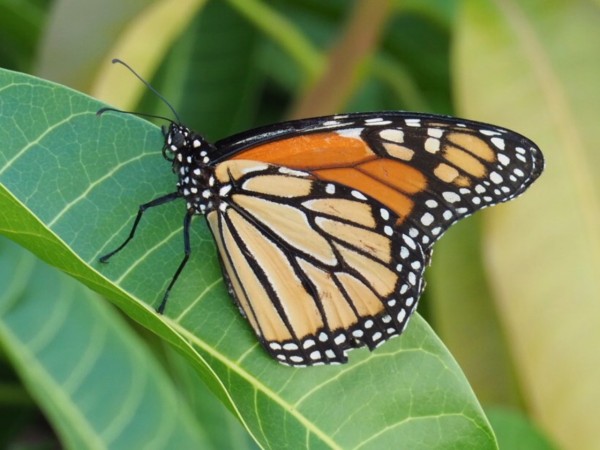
(188, 152)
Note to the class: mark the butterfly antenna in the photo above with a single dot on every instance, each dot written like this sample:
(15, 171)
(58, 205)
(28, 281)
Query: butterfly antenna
(149, 86)
(133, 113)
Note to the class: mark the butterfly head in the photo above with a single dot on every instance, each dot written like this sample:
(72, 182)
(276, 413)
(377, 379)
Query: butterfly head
(183, 146)
(188, 152)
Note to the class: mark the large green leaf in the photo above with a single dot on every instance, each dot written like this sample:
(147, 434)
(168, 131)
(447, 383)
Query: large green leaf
(71, 183)
(533, 66)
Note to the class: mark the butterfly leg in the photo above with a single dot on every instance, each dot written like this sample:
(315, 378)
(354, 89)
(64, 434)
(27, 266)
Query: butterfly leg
(186, 250)
(156, 202)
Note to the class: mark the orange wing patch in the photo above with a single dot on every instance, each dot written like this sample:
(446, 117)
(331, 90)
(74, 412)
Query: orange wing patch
(311, 151)
(398, 175)
(472, 144)
(346, 160)
(400, 203)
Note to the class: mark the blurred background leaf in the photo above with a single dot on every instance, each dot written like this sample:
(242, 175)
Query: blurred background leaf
(517, 432)
(543, 252)
(103, 386)
(514, 291)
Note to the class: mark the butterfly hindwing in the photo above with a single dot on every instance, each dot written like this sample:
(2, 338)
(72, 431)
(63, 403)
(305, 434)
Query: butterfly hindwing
(315, 266)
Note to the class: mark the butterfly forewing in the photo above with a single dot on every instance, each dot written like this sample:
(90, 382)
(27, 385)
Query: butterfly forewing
(430, 170)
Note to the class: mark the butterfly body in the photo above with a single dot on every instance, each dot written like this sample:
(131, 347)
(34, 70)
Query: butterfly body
(324, 226)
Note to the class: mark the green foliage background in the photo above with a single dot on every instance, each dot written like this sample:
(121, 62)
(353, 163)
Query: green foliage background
(513, 293)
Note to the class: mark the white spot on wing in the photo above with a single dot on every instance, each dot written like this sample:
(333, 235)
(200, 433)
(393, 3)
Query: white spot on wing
(427, 219)
(295, 173)
(432, 145)
(451, 197)
(393, 135)
(224, 190)
(496, 178)
(340, 339)
(412, 278)
(489, 132)
(409, 241)
(350, 132)
(308, 343)
(378, 121)
(504, 160)
(359, 195)
(498, 142)
(435, 132)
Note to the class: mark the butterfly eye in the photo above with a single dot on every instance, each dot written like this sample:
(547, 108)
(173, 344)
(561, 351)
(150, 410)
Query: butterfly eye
(177, 139)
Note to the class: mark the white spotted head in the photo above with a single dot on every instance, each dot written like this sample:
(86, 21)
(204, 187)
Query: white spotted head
(181, 145)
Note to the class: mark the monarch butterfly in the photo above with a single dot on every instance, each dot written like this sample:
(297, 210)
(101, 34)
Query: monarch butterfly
(324, 226)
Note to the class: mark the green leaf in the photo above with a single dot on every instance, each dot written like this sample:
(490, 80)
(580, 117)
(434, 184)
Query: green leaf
(71, 184)
(533, 66)
(98, 384)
